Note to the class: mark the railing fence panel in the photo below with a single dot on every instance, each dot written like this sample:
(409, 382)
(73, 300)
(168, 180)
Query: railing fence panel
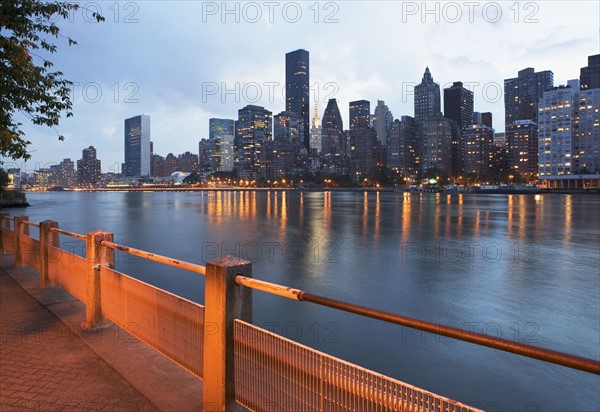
(169, 323)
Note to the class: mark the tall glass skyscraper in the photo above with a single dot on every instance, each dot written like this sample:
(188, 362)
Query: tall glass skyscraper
(137, 147)
(297, 89)
(253, 128)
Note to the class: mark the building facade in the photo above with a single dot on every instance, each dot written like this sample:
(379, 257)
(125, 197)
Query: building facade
(589, 77)
(479, 150)
(402, 151)
(427, 98)
(137, 147)
(88, 167)
(382, 121)
(253, 129)
(332, 139)
(521, 97)
(436, 134)
(297, 89)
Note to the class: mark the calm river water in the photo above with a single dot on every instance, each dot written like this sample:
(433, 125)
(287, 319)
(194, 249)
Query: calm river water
(522, 267)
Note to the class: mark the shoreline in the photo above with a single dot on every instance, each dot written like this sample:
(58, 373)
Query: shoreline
(319, 189)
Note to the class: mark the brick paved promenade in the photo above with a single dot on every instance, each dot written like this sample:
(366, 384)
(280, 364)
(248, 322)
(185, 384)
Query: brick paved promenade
(47, 365)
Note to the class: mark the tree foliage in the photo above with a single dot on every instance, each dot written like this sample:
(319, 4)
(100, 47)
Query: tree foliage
(28, 85)
(3, 179)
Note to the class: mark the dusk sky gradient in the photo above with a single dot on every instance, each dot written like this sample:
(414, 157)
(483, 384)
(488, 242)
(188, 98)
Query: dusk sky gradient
(166, 59)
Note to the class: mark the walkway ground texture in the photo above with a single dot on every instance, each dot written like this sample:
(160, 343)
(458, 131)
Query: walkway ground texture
(49, 363)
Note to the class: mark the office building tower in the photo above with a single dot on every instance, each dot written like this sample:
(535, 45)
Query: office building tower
(427, 98)
(436, 142)
(458, 104)
(382, 121)
(479, 150)
(522, 93)
(253, 129)
(315, 131)
(557, 109)
(359, 114)
(220, 127)
(297, 89)
(220, 132)
(88, 167)
(590, 75)
(363, 151)
(522, 141)
(332, 130)
(587, 134)
(521, 96)
(137, 147)
(203, 158)
(569, 137)
(402, 151)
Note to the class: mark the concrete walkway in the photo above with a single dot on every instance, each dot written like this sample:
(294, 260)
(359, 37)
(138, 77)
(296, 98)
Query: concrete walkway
(48, 363)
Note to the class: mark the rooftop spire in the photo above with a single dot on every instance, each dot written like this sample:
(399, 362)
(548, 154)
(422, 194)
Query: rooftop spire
(316, 119)
(427, 76)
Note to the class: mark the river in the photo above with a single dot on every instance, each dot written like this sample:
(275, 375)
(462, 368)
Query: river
(521, 267)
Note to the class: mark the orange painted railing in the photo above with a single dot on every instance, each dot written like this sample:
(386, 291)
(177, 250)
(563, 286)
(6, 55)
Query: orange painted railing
(248, 365)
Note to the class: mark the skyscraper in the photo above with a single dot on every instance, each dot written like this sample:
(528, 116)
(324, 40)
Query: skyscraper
(427, 98)
(88, 167)
(522, 140)
(590, 75)
(382, 121)
(220, 133)
(522, 93)
(521, 96)
(137, 146)
(587, 135)
(297, 89)
(478, 141)
(332, 130)
(360, 111)
(436, 135)
(363, 151)
(401, 147)
(458, 104)
(253, 129)
(569, 137)
(557, 109)
(219, 127)
(315, 131)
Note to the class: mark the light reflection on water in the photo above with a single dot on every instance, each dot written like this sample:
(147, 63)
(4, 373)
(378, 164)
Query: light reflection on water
(521, 267)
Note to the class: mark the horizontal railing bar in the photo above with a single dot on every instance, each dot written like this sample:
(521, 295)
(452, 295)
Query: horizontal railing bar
(530, 351)
(27, 222)
(268, 287)
(156, 258)
(66, 233)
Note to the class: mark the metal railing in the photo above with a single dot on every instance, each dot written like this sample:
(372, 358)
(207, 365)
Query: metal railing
(247, 364)
(66, 233)
(192, 267)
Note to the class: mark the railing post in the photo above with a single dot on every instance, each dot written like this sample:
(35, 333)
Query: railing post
(3, 217)
(96, 256)
(20, 229)
(47, 239)
(224, 302)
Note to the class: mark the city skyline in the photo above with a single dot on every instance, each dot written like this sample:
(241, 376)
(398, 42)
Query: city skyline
(177, 93)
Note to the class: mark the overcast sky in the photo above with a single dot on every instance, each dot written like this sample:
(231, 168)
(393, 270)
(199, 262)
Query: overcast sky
(185, 62)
